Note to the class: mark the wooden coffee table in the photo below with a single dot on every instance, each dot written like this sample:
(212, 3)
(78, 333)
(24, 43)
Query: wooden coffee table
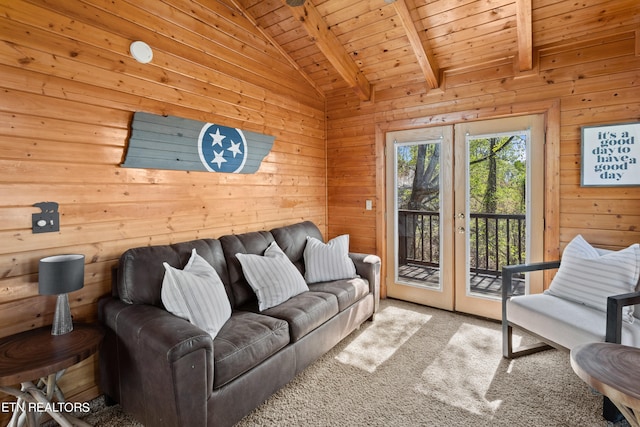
(613, 370)
(34, 354)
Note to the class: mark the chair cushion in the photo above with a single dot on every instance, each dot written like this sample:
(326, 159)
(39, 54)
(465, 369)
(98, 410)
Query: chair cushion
(328, 261)
(305, 312)
(588, 277)
(245, 341)
(196, 293)
(273, 277)
(565, 322)
(347, 291)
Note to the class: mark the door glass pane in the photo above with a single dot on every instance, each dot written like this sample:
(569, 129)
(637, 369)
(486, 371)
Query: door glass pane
(496, 209)
(418, 213)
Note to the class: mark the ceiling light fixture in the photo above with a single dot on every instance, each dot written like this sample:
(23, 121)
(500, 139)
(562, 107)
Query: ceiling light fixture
(141, 52)
(295, 2)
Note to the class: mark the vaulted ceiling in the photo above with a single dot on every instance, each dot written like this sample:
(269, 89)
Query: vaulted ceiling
(363, 44)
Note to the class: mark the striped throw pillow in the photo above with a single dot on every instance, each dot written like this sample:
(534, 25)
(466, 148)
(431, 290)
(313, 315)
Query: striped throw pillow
(328, 261)
(196, 294)
(589, 276)
(273, 277)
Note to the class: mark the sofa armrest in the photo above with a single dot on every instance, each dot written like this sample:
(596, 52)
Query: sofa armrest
(368, 266)
(157, 357)
(615, 304)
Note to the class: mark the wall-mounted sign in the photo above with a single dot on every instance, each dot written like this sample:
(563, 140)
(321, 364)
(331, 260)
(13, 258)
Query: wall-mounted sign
(167, 142)
(610, 155)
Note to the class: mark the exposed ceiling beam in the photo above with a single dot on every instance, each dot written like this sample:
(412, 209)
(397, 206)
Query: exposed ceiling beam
(332, 49)
(421, 50)
(270, 39)
(525, 38)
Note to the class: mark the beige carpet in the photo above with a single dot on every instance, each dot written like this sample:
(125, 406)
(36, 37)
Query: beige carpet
(417, 366)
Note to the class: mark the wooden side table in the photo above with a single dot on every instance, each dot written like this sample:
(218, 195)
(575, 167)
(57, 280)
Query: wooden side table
(613, 370)
(34, 354)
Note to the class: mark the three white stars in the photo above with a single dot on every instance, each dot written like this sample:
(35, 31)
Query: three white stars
(219, 156)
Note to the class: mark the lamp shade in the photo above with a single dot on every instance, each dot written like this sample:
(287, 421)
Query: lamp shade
(60, 274)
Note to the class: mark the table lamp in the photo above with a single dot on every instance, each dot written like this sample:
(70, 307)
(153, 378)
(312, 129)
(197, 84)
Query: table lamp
(58, 275)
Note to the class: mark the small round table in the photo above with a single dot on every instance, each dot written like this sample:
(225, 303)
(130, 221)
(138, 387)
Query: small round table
(613, 370)
(38, 354)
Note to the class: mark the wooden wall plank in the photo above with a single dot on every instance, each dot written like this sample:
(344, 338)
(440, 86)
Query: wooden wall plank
(69, 91)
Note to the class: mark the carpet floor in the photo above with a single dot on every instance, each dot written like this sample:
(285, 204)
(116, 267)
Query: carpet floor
(419, 366)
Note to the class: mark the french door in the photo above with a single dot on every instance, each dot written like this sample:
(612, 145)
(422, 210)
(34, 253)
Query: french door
(466, 200)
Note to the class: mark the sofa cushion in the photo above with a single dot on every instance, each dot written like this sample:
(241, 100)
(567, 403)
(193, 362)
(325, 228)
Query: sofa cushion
(346, 291)
(305, 312)
(197, 294)
(588, 277)
(245, 341)
(255, 242)
(140, 272)
(328, 261)
(272, 276)
(565, 322)
(292, 239)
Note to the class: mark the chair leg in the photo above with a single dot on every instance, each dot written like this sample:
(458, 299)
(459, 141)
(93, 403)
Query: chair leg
(507, 344)
(507, 340)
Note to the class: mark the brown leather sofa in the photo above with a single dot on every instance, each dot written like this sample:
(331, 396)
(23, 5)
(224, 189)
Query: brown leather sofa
(165, 371)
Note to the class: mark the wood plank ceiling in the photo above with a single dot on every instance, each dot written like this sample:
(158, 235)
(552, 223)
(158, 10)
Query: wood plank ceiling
(384, 43)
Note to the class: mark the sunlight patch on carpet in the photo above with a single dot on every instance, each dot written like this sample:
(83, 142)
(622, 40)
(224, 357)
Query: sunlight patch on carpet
(462, 374)
(393, 326)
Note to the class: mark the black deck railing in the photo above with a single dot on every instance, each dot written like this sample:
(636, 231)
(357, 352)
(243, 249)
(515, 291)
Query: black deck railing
(495, 240)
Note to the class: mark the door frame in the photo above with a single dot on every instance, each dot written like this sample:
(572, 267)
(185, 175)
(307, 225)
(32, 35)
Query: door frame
(551, 112)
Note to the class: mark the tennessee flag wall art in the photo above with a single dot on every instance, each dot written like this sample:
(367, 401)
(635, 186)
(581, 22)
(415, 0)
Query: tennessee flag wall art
(167, 142)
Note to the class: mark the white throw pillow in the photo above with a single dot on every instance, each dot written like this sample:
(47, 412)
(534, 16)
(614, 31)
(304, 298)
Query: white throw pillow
(197, 294)
(589, 276)
(273, 277)
(328, 261)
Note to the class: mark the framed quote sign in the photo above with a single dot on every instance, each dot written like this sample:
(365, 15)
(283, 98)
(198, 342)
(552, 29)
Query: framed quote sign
(610, 155)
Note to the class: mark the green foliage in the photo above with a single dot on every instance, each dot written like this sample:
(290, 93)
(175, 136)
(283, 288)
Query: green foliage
(418, 176)
(496, 184)
(509, 155)
(505, 156)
